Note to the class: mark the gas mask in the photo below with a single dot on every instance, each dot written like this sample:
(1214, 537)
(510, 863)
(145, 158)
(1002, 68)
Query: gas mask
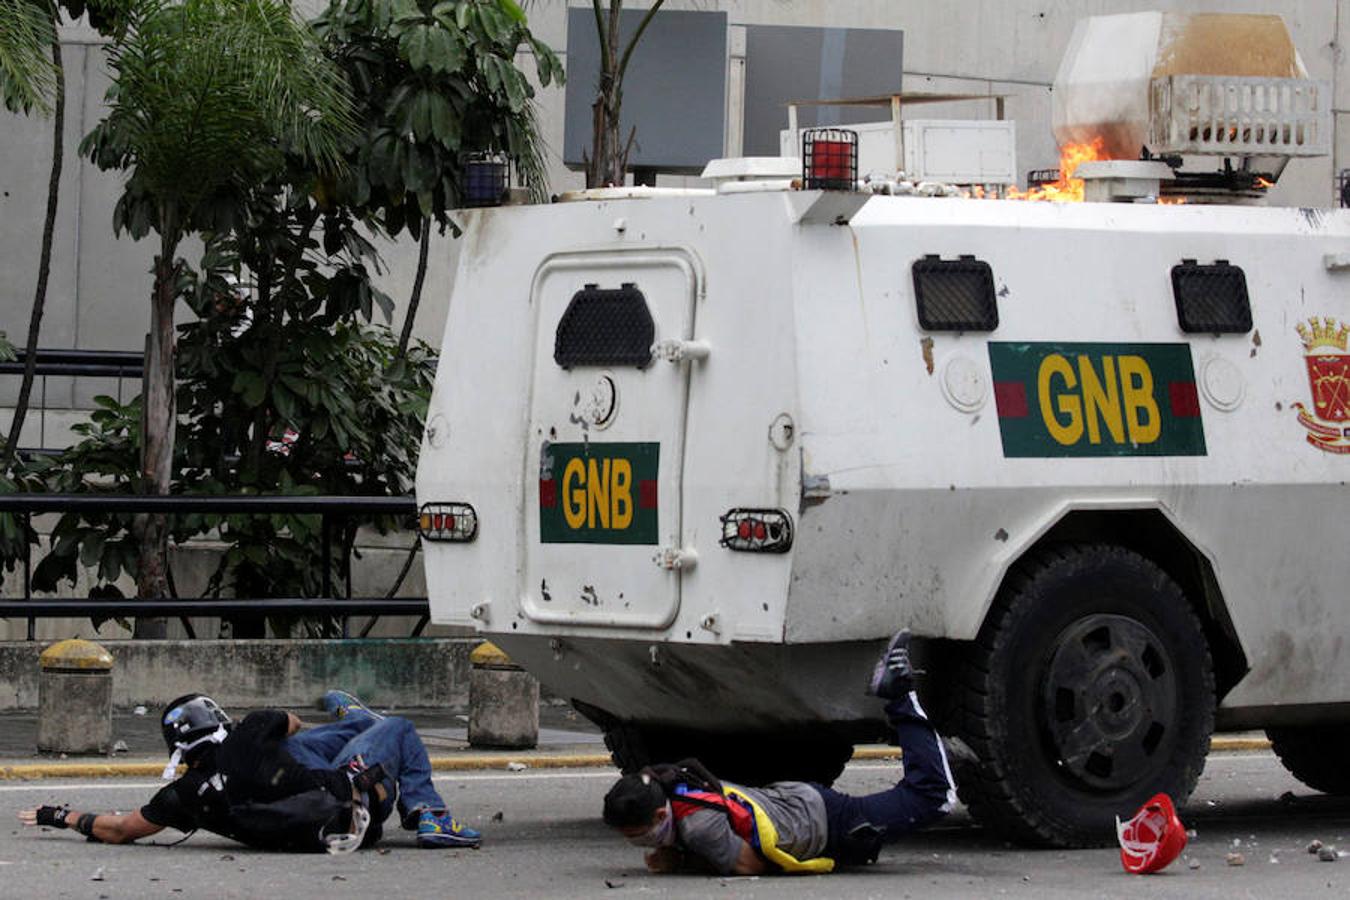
(661, 834)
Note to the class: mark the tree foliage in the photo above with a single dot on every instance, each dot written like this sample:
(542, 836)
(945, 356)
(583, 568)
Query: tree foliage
(284, 385)
(27, 77)
(433, 80)
(208, 97)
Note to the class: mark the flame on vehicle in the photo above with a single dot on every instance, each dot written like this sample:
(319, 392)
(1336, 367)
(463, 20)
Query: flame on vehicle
(1066, 189)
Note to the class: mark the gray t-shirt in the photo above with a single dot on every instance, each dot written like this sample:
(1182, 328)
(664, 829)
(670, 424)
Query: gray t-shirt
(795, 808)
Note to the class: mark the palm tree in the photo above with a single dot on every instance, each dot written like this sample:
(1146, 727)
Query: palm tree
(208, 97)
(27, 79)
(30, 81)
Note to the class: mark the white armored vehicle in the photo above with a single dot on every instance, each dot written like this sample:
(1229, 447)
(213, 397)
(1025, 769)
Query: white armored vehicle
(692, 455)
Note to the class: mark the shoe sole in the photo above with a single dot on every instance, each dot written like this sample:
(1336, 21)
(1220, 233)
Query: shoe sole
(879, 674)
(436, 841)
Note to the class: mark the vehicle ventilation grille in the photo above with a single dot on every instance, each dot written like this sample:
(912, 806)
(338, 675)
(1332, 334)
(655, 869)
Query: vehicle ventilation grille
(605, 327)
(955, 294)
(1211, 299)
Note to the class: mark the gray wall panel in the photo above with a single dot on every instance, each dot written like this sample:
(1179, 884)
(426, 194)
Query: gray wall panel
(674, 92)
(785, 63)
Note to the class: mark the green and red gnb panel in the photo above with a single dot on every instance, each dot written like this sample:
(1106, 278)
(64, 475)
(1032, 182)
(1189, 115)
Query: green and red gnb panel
(598, 493)
(1096, 399)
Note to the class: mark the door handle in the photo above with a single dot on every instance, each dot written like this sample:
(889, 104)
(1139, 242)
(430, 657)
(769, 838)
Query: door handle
(674, 559)
(676, 351)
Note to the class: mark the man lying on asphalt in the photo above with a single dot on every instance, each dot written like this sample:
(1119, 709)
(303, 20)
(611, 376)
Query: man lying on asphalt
(266, 783)
(689, 819)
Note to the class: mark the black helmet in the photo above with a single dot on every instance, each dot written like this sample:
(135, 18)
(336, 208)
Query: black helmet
(189, 719)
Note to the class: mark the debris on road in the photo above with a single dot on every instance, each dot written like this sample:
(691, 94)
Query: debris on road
(498, 816)
(1328, 854)
(139, 711)
(1314, 845)
(119, 746)
(98, 875)
(1235, 859)
(516, 767)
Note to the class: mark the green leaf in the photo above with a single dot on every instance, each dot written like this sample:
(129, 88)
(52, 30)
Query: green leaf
(91, 549)
(445, 13)
(444, 123)
(447, 54)
(512, 9)
(421, 116)
(251, 388)
(416, 45)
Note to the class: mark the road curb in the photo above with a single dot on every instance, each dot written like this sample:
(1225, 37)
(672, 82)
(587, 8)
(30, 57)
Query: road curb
(470, 762)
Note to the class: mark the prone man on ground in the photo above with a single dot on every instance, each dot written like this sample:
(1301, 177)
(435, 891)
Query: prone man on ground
(689, 819)
(266, 783)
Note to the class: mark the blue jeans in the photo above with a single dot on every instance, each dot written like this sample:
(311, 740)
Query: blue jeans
(392, 742)
(925, 794)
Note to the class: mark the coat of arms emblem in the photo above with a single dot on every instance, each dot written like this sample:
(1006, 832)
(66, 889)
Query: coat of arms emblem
(1324, 348)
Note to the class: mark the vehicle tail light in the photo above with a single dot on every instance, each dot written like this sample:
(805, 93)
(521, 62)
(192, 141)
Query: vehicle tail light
(830, 159)
(448, 522)
(757, 530)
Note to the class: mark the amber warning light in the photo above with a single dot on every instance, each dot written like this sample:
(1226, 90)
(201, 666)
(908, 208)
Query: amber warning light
(448, 522)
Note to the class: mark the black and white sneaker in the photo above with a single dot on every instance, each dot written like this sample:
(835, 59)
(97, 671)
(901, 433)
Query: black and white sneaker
(893, 677)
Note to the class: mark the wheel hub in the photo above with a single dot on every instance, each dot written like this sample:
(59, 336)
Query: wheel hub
(1110, 701)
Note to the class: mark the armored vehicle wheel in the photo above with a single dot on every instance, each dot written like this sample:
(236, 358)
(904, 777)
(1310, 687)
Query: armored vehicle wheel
(743, 759)
(1315, 755)
(1089, 689)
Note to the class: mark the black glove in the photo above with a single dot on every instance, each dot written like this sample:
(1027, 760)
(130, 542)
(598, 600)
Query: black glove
(366, 779)
(861, 846)
(53, 816)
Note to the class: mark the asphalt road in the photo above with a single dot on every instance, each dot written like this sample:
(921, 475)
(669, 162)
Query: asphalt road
(544, 839)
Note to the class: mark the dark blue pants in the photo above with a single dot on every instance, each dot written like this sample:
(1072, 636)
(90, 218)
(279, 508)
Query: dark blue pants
(392, 742)
(925, 794)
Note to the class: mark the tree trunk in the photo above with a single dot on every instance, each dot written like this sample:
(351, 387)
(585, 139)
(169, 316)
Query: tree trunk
(159, 418)
(416, 297)
(44, 261)
(608, 164)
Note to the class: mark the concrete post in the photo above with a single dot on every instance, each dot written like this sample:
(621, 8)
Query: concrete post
(503, 701)
(75, 698)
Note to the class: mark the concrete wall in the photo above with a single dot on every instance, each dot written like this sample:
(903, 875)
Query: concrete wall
(243, 674)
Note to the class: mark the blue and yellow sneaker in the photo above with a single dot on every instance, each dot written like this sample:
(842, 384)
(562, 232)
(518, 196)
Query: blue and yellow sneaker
(439, 829)
(338, 703)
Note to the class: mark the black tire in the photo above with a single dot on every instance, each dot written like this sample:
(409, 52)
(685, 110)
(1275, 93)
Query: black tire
(1315, 755)
(743, 759)
(1089, 689)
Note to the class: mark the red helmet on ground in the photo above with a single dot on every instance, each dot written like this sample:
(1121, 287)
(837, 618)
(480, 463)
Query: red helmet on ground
(1153, 838)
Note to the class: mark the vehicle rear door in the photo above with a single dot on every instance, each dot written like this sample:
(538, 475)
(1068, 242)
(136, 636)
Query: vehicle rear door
(607, 424)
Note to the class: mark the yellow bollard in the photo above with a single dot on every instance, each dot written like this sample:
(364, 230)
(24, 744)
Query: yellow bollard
(503, 701)
(75, 698)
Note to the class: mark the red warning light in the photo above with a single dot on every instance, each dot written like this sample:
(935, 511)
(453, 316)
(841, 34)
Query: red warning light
(757, 530)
